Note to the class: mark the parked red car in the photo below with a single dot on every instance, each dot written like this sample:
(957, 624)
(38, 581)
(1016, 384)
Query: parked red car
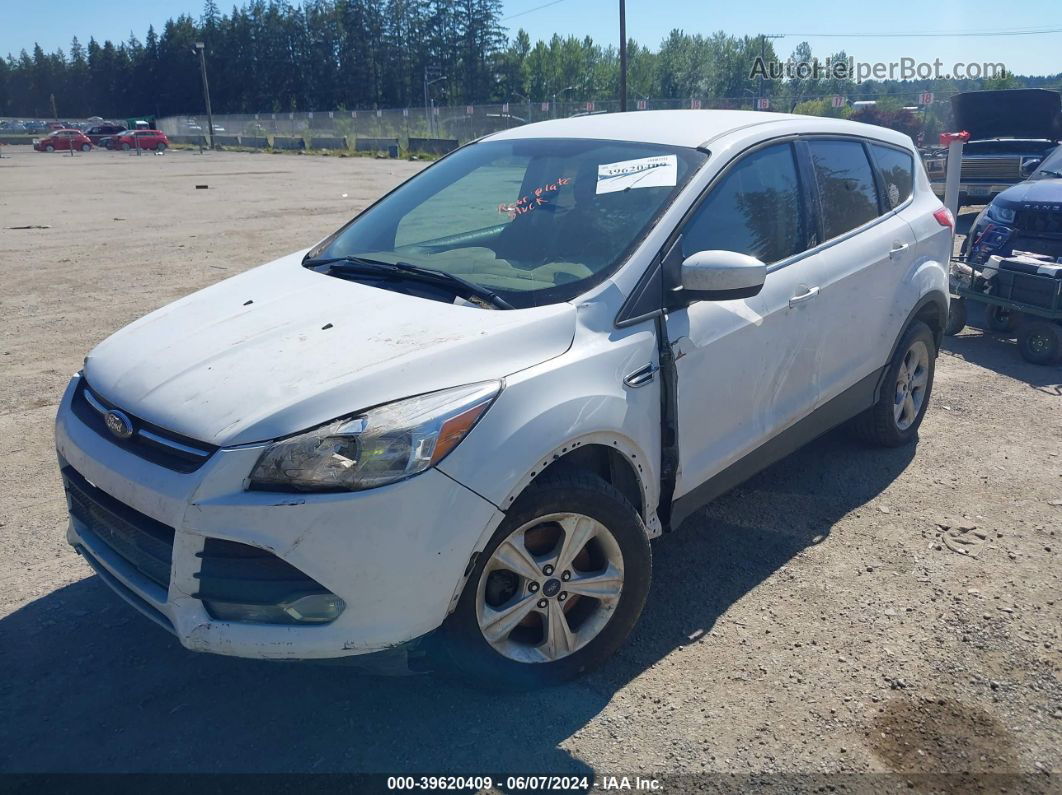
(63, 139)
(146, 139)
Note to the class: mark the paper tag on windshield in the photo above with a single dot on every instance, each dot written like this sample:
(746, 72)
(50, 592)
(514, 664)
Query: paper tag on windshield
(645, 172)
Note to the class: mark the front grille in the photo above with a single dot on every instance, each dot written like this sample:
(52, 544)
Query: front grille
(148, 441)
(145, 544)
(1003, 169)
(238, 573)
(1044, 221)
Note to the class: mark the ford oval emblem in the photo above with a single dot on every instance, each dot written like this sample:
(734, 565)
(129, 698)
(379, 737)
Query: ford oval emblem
(118, 424)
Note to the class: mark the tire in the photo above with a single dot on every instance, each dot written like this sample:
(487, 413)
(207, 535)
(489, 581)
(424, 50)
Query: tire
(1040, 342)
(126, 147)
(892, 422)
(86, 147)
(534, 520)
(1001, 320)
(49, 148)
(160, 147)
(956, 317)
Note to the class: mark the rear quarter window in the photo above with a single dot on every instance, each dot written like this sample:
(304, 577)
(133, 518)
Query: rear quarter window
(845, 181)
(897, 173)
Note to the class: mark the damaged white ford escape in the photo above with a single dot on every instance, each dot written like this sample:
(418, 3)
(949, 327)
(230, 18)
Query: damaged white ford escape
(446, 433)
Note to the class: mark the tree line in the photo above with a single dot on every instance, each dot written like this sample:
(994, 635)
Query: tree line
(275, 56)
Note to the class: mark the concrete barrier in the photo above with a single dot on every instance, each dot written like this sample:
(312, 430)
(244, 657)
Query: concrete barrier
(254, 141)
(188, 140)
(326, 142)
(280, 142)
(18, 139)
(374, 144)
(433, 146)
(226, 140)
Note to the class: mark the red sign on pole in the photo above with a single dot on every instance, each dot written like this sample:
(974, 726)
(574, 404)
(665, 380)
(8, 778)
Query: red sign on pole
(925, 98)
(642, 104)
(469, 110)
(589, 107)
(695, 104)
(763, 103)
(545, 107)
(505, 107)
(838, 101)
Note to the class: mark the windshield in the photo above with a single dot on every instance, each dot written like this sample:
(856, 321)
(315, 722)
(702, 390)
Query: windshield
(536, 220)
(1051, 167)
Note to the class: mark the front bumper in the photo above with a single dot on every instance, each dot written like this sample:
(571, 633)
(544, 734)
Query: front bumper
(396, 555)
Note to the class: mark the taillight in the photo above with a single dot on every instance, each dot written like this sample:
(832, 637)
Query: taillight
(945, 218)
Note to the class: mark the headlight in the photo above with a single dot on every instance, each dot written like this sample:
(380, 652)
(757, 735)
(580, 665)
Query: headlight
(378, 446)
(1003, 215)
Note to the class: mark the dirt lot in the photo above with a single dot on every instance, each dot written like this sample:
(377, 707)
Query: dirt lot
(817, 620)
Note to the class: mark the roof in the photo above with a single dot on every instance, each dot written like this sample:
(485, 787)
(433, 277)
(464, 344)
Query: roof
(690, 128)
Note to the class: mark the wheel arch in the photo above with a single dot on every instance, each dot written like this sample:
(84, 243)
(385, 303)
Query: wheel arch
(931, 309)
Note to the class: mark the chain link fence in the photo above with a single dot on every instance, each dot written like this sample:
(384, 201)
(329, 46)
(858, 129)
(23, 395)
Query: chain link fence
(433, 130)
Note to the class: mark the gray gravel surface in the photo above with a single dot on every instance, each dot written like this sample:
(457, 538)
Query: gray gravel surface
(847, 611)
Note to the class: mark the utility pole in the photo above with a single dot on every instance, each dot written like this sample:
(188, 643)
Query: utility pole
(623, 56)
(200, 49)
(763, 53)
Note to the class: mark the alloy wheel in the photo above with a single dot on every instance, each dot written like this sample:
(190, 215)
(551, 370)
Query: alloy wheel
(549, 588)
(911, 382)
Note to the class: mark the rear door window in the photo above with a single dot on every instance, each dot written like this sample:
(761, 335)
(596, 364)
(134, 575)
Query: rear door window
(845, 181)
(897, 173)
(756, 209)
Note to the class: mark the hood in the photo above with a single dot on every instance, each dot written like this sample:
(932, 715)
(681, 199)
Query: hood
(1039, 191)
(1014, 113)
(280, 349)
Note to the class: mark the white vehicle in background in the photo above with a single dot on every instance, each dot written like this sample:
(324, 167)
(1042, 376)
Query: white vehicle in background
(447, 432)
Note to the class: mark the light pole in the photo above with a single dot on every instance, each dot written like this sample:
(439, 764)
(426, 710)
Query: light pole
(200, 49)
(428, 107)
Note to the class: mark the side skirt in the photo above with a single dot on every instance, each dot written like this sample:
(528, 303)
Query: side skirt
(852, 401)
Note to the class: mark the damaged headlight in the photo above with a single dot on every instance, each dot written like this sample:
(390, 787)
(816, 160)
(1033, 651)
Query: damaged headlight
(1004, 215)
(378, 446)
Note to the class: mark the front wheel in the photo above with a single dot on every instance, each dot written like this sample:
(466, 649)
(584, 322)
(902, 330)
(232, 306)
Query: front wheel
(557, 589)
(904, 396)
(86, 147)
(49, 148)
(956, 317)
(1002, 320)
(160, 147)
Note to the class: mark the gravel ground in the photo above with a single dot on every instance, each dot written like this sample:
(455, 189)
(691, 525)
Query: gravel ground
(846, 611)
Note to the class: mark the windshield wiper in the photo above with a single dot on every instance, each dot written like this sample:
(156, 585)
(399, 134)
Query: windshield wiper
(1050, 173)
(459, 286)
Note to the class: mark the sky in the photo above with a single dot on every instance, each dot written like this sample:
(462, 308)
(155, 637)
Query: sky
(55, 22)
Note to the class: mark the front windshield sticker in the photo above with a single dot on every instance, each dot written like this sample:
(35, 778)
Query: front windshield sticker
(645, 172)
(536, 199)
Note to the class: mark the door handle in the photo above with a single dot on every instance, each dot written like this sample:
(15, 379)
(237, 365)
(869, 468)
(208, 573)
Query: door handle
(897, 249)
(807, 295)
(641, 376)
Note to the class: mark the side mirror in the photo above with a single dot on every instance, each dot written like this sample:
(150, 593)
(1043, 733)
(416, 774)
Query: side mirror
(721, 276)
(1028, 167)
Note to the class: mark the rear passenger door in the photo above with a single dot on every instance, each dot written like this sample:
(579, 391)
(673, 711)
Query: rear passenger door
(867, 251)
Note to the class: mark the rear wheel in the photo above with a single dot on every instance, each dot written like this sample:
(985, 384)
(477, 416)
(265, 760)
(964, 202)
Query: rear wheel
(126, 147)
(49, 148)
(557, 589)
(1040, 342)
(160, 147)
(1002, 320)
(904, 397)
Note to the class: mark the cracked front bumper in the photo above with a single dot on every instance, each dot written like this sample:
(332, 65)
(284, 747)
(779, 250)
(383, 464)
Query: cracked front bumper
(396, 555)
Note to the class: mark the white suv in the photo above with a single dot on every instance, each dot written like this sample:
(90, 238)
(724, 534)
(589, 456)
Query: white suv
(447, 432)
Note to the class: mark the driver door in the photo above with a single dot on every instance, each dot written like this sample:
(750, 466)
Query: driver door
(747, 368)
